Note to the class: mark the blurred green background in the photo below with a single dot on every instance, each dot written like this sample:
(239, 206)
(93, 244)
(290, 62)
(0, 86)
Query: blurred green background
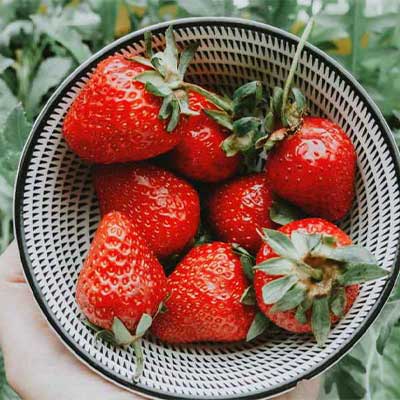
(41, 42)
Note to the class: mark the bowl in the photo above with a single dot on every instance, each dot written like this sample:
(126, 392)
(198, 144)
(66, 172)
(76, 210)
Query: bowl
(56, 214)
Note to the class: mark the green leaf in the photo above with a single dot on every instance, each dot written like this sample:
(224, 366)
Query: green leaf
(361, 273)
(348, 387)
(144, 324)
(186, 57)
(276, 289)
(338, 302)
(276, 266)
(300, 242)
(107, 10)
(355, 364)
(122, 335)
(299, 98)
(171, 50)
(269, 126)
(234, 144)
(320, 320)
(67, 37)
(83, 19)
(282, 212)
(174, 119)
(277, 98)
(221, 117)
(15, 31)
(314, 241)
(291, 299)
(302, 308)
(183, 100)
(6, 200)
(223, 103)
(387, 319)
(258, 326)
(50, 73)
(280, 243)
(248, 297)
(7, 102)
(354, 254)
(247, 266)
(246, 100)
(5, 63)
(243, 126)
(24, 8)
(161, 91)
(166, 107)
(150, 77)
(208, 7)
(12, 139)
(141, 60)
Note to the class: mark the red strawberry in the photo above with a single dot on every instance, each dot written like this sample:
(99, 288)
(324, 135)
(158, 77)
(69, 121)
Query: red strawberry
(121, 278)
(307, 275)
(114, 118)
(237, 209)
(315, 169)
(121, 285)
(204, 303)
(199, 154)
(164, 207)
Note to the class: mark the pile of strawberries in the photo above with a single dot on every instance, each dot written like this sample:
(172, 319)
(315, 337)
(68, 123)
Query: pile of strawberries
(241, 167)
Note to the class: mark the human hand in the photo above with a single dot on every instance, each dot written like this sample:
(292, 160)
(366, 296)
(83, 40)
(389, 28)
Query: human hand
(39, 366)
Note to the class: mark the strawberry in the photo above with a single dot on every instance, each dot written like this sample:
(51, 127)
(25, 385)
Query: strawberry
(128, 108)
(205, 298)
(315, 169)
(114, 118)
(121, 284)
(164, 207)
(238, 208)
(308, 274)
(199, 154)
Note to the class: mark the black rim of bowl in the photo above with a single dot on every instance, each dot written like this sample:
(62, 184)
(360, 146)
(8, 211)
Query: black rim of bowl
(81, 71)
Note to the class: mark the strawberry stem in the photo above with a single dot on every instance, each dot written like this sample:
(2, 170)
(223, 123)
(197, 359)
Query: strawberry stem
(314, 273)
(293, 67)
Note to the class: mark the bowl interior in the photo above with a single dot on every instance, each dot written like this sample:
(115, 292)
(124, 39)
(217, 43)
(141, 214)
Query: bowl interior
(57, 214)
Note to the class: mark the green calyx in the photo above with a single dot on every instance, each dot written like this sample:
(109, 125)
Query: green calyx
(243, 118)
(247, 260)
(260, 322)
(119, 335)
(287, 106)
(166, 79)
(254, 124)
(313, 273)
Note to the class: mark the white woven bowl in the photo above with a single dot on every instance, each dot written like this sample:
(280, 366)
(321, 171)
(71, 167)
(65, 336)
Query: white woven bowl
(56, 214)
